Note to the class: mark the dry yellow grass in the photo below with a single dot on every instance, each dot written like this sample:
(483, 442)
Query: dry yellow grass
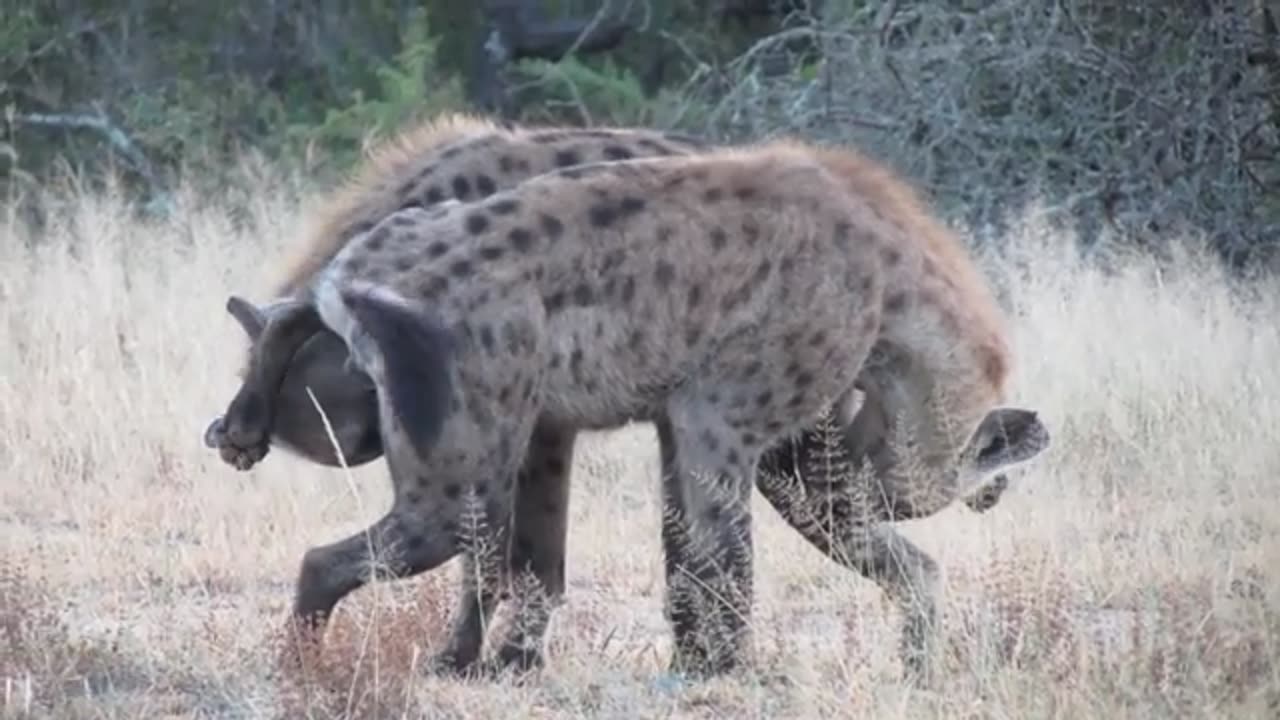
(1131, 572)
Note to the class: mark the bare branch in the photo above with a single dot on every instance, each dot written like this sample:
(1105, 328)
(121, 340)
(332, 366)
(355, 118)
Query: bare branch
(116, 137)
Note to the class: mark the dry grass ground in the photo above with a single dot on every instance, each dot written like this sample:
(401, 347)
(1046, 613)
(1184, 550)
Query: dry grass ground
(1132, 572)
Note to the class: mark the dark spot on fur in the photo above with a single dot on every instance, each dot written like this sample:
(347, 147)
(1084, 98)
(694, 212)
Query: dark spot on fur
(451, 152)
(764, 398)
(709, 440)
(713, 398)
(435, 195)
(435, 286)
(712, 195)
(751, 231)
(565, 158)
(818, 338)
(804, 379)
(461, 187)
(487, 339)
(404, 263)
(745, 193)
(477, 223)
(436, 249)
(897, 302)
(521, 239)
(692, 334)
(840, 236)
(617, 152)
(762, 272)
(732, 457)
(401, 221)
(575, 361)
(482, 489)
(413, 497)
(505, 206)
(631, 205)
(461, 268)
(665, 233)
(485, 185)
(602, 215)
(554, 302)
(749, 439)
(719, 239)
(752, 369)
(664, 274)
(695, 295)
(628, 289)
(504, 395)
(491, 252)
(506, 164)
(551, 226)
(612, 259)
(377, 239)
(582, 294)
(635, 339)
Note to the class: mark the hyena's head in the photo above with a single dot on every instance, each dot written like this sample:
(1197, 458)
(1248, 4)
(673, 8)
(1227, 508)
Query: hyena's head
(346, 395)
(1005, 438)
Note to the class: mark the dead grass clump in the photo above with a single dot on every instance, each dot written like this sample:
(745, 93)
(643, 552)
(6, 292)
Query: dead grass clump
(373, 655)
(45, 669)
(1172, 644)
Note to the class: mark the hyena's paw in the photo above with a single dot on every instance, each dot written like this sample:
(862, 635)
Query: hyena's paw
(233, 454)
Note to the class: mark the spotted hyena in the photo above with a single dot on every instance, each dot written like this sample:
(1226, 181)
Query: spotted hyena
(462, 157)
(487, 325)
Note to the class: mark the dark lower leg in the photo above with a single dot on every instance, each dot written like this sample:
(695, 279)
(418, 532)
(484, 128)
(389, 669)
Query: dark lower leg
(396, 546)
(835, 522)
(538, 553)
(706, 535)
(485, 543)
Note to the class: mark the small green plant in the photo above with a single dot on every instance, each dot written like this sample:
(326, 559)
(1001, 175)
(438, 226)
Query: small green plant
(409, 88)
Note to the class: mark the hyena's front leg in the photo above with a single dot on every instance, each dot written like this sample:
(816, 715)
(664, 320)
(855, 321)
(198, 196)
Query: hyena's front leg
(706, 537)
(403, 543)
(837, 520)
(538, 553)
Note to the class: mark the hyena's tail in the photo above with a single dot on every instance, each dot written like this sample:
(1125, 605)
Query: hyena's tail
(417, 353)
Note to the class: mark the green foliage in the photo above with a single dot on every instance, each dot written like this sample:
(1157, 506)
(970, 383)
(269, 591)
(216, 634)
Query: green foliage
(409, 88)
(600, 92)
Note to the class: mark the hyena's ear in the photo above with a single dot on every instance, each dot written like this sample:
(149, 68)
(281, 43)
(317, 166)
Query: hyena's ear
(1008, 436)
(248, 315)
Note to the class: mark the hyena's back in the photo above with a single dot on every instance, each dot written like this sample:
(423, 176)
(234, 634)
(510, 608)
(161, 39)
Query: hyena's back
(746, 280)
